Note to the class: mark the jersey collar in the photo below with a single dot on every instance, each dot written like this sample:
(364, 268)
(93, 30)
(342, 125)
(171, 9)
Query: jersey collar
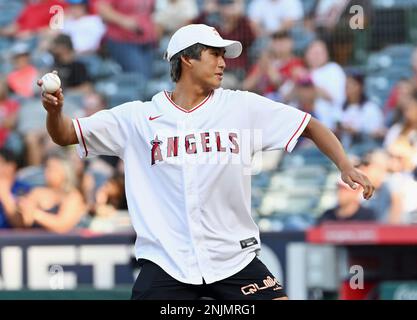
(205, 100)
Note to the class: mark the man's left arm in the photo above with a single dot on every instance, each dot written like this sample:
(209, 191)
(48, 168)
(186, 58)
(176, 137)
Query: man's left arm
(327, 142)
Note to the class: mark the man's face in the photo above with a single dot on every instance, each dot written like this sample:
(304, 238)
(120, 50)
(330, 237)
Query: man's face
(77, 10)
(347, 195)
(55, 174)
(353, 87)
(7, 169)
(405, 89)
(376, 172)
(306, 96)
(282, 46)
(316, 54)
(208, 71)
(21, 61)
(410, 112)
(58, 51)
(400, 154)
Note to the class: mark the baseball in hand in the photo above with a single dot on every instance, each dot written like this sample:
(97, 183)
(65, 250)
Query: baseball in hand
(51, 82)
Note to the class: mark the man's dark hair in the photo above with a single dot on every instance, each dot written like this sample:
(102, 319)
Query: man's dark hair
(192, 52)
(10, 156)
(63, 40)
(284, 34)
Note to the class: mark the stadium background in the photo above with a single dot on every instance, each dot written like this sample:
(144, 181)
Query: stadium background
(91, 256)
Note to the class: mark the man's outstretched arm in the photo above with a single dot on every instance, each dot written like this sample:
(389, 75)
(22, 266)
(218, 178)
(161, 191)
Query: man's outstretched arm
(327, 142)
(59, 126)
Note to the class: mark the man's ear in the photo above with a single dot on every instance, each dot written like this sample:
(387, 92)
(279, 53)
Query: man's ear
(186, 61)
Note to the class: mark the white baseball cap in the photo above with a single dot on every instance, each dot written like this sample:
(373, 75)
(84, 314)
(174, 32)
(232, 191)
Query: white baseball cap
(200, 33)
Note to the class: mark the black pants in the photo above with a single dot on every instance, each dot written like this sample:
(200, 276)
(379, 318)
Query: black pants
(254, 282)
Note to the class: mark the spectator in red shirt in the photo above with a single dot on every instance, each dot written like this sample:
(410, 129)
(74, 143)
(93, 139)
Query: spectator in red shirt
(232, 24)
(397, 98)
(400, 94)
(131, 33)
(22, 80)
(34, 18)
(276, 66)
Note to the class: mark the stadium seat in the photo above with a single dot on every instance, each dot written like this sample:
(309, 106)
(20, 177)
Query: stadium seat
(305, 156)
(403, 4)
(294, 222)
(160, 68)
(31, 116)
(123, 87)
(308, 5)
(399, 50)
(157, 85)
(379, 84)
(9, 11)
(394, 56)
(99, 68)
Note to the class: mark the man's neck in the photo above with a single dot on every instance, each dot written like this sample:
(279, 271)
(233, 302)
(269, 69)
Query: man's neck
(66, 58)
(354, 100)
(187, 96)
(348, 210)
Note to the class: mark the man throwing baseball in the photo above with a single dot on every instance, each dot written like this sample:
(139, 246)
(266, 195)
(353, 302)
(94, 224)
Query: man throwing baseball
(187, 189)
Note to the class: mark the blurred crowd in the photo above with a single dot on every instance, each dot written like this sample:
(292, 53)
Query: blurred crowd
(297, 52)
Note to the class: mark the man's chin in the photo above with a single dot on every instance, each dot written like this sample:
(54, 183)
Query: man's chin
(213, 85)
(217, 85)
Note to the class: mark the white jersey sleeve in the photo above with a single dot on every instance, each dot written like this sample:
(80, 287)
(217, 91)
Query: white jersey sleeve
(105, 132)
(280, 125)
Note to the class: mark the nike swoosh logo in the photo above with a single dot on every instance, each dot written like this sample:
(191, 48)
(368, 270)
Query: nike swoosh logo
(153, 118)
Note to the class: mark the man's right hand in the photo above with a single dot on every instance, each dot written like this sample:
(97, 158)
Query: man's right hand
(59, 126)
(52, 102)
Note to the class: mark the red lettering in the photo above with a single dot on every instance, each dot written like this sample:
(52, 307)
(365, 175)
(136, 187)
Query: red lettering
(205, 139)
(233, 140)
(219, 143)
(193, 148)
(156, 154)
(172, 147)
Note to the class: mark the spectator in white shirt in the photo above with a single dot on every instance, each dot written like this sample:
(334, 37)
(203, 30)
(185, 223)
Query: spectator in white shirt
(362, 120)
(85, 30)
(269, 16)
(402, 183)
(171, 15)
(329, 79)
(407, 129)
(375, 165)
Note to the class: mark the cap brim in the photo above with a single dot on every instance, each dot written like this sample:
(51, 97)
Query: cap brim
(233, 48)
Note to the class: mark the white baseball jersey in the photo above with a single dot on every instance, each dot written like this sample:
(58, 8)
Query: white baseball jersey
(188, 186)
